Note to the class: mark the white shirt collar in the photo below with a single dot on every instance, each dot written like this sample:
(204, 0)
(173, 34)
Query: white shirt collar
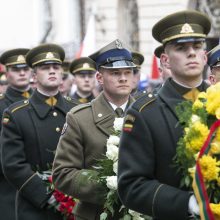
(122, 106)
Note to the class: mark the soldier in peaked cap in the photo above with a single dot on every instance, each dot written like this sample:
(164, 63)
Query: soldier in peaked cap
(18, 77)
(26, 127)
(115, 74)
(214, 64)
(83, 70)
(147, 180)
(163, 70)
(138, 60)
(67, 80)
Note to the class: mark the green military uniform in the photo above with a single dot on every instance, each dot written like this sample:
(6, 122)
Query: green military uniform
(147, 180)
(30, 133)
(10, 58)
(84, 141)
(83, 65)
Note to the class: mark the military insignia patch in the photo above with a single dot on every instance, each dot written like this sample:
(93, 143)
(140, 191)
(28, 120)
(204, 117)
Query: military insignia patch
(128, 123)
(49, 55)
(20, 58)
(64, 128)
(186, 28)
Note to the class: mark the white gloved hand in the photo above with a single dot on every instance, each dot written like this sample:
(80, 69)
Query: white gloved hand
(193, 205)
(51, 200)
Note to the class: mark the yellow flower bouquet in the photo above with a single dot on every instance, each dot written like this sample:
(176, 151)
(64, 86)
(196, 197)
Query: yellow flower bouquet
(198, 151)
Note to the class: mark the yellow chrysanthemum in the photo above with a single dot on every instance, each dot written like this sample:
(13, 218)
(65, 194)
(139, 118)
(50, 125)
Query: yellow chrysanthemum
(215, 147)
(217, 113)
(197, 105)
(209, 168)
(215, 209)
(202, 95)
(194, 143)
(213, 99)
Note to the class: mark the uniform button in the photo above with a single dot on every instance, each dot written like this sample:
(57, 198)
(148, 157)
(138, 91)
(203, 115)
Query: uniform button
(57, 129)
(150, 95)
(26, 101)
(55, 114)
(100, 115)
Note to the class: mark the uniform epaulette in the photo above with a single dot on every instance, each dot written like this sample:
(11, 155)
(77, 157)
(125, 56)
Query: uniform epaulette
(71, 100)
(143, 101)
(18, 105)
(80, 107)
(2, 95)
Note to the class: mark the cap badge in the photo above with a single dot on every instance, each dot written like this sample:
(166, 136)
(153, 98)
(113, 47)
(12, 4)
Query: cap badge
(20, 58)
(186, 28)
(118, 44)
(49, 55)
(86, 65)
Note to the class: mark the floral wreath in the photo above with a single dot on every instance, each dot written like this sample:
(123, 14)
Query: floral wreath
(198, 150)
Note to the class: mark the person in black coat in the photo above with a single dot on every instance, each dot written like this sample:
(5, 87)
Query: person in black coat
(30, 133)
(18, 75)
(148, 182)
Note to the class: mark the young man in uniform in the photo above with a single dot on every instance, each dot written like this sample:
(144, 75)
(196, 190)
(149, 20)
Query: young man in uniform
(83, 70)
(30, 133)
(87, 128)
(18, 75)
(214, 64)
(148, 181)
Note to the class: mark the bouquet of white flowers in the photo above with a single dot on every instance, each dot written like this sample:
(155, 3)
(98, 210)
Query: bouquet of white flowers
(107, 175)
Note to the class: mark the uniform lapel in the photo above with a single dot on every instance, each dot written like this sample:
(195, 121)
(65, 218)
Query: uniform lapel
(103, 114)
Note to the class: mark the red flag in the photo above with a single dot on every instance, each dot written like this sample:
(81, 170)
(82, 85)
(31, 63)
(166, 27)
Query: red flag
(154, 69)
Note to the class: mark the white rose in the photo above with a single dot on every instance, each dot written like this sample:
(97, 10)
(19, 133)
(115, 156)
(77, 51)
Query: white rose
(113, 140)
(115, 167)
(195, 118)
(118, 123)
(112, 152)
(112, 182)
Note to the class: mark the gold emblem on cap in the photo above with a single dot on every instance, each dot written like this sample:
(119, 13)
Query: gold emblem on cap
(86, 65)
(118, 44)
(186, 28)
(49, 55)
(20, 58)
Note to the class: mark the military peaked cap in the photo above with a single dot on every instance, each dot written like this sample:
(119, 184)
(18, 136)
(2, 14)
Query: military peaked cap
(15, 57)
(113, 55)
(214, 57)
(82, 64)
(138, 58)
(158, 51)
(45, 54)
(183, 26)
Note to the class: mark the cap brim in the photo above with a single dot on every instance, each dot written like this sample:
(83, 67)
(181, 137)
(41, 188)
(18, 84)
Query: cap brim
(20, 65)
(188, 39)
(49, 62)
(119, 64)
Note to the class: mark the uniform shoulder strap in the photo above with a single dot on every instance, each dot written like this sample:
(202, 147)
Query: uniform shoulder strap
(143, 101)
(80, 107)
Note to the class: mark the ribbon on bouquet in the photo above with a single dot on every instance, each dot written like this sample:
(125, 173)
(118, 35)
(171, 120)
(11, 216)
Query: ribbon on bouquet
(198, 180)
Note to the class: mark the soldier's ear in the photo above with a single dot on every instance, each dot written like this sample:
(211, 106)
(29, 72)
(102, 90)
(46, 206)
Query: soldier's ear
(165, 61)
(99, 78)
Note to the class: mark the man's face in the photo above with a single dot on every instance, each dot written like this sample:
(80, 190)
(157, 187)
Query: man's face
(214, 76)
(66, 84)
(18, 77)
(48, 76)
(116, 82)
(185, 60)
(85, 81)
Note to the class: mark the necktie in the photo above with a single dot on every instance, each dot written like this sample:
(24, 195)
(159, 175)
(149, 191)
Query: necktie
(26, 94)
(192, 94)
(51, 101)
(119, 112)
